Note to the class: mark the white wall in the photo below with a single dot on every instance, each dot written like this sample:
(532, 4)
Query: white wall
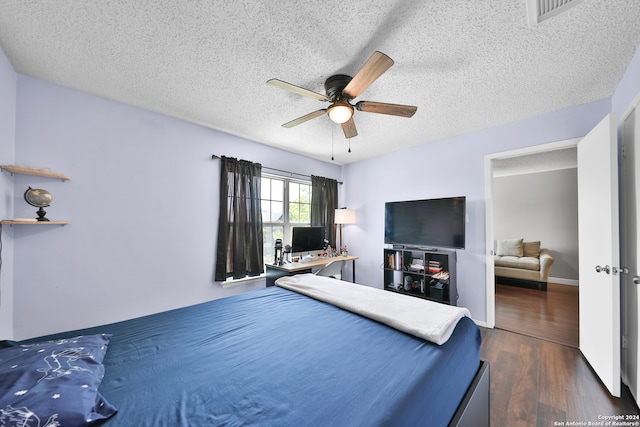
(7, 154)
(541, 206)
(450, 167)
(143, 206)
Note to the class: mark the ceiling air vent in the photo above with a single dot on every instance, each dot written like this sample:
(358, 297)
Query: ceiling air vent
(539, 10)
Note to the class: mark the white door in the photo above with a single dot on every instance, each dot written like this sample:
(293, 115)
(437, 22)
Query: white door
(598, 236)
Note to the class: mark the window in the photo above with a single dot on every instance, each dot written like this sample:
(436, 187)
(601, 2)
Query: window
(286, 203)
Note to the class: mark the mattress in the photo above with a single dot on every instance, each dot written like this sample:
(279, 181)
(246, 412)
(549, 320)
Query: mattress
(275, 357)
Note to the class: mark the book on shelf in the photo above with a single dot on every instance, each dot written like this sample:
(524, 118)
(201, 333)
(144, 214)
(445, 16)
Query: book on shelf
(394, 261)
(434, 267)
(417, 264)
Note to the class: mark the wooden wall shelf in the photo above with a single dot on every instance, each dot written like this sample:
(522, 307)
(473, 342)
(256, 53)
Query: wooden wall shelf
(25, 170)
(28, 222)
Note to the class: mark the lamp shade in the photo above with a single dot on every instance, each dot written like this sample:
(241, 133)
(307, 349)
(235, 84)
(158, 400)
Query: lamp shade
(345, 216)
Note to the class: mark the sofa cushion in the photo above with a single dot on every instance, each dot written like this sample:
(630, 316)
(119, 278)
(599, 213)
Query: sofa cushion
(524, 263)
(509, 247)
(531, 249)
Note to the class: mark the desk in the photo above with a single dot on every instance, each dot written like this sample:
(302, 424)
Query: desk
(275, 272)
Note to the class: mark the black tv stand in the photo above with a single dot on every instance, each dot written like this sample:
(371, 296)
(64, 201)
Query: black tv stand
(422, 273)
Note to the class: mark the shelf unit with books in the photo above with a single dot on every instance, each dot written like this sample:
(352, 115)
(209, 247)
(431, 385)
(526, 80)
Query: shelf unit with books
(423, 273)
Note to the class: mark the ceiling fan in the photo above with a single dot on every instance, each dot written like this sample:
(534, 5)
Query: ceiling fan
(341, 89)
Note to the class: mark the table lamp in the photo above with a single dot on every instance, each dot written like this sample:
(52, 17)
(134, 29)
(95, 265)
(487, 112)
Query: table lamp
(344, 216)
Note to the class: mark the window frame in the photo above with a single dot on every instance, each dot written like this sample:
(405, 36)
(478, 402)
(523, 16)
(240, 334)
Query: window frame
(286, 223)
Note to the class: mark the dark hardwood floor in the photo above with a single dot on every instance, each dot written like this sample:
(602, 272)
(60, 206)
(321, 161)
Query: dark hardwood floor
(550, 315)
(538, 375)
(540, 383)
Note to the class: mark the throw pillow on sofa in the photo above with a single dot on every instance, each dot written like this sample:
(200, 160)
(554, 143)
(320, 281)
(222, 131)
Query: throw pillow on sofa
(510, 247)
(532, 249)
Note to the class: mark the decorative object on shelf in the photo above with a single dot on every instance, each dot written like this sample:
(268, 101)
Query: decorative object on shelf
(40, 199)
(344, 216)
(441, 276)
(44, 173)
(408, 283)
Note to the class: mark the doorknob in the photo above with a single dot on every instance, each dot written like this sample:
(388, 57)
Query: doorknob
(636, 280)
(606, 269)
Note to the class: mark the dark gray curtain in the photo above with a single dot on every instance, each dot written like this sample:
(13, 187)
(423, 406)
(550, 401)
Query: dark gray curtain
(324, 202)
(239, 251)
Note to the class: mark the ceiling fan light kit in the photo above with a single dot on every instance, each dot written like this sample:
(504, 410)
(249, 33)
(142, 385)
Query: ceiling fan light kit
(340, 112)
(341, 89)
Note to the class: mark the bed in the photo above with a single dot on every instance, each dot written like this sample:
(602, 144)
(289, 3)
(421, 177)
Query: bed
(274, 356)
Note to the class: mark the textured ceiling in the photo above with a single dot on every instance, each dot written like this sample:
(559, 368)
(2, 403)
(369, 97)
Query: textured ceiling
(466, 64)
(565, 158)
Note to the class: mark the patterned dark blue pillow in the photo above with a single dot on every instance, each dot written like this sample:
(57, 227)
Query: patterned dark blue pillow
(54, 383)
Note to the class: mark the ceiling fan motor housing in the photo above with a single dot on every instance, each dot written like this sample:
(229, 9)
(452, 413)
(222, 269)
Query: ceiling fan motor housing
(334, 86)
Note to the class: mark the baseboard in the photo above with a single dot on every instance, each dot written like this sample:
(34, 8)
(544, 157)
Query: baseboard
(559, 281)
(522, 283)
(480, 322)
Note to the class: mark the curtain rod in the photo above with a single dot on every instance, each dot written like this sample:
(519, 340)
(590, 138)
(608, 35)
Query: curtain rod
(215, 157)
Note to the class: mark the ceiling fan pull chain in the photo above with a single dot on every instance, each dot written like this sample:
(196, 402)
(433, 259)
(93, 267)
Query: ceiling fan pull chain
(331, 142)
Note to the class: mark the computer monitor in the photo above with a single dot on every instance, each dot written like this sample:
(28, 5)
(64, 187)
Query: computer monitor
(307, 239)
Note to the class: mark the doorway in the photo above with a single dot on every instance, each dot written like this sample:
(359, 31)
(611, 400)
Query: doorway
(536, 198)
(601, 311)
(523, 161)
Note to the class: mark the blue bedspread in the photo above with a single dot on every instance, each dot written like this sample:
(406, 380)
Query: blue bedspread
(276, 358)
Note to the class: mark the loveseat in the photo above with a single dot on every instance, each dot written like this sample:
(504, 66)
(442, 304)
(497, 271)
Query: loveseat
(522, 263)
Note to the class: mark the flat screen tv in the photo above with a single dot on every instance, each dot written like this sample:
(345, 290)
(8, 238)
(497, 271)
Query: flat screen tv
(432, 223)
(307, 239)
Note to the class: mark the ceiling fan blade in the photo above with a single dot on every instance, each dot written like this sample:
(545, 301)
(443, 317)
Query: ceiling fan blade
(304, 118)
(349, 128)
(375, 66)
(297, 89)
(383, 108)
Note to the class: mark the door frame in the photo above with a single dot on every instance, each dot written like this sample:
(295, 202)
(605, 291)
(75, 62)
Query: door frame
(488, 192)
(630, 339)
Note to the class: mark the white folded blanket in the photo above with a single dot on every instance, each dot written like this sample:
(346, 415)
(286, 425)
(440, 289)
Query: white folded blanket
(425, 319)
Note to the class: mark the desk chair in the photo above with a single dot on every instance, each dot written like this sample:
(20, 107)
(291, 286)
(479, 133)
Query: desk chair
(332, 269)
